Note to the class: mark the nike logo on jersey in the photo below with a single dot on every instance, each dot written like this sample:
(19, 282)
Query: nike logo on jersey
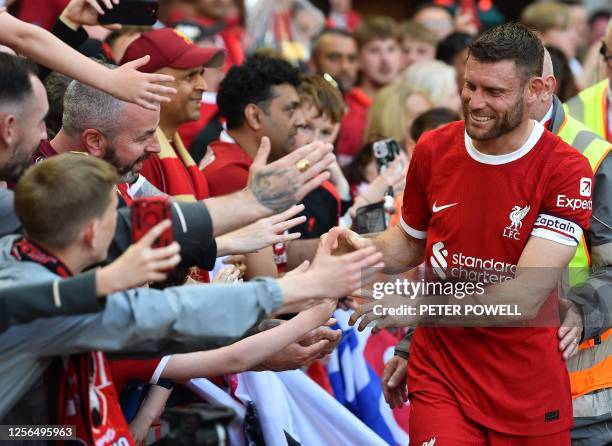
(431, 442)
(437, 208)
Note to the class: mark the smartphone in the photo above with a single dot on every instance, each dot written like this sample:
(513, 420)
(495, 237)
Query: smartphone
(131, 12)
(385, 151)
(370, 219)
(148, 212)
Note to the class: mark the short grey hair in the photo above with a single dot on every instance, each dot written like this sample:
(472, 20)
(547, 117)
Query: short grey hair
(86, 107)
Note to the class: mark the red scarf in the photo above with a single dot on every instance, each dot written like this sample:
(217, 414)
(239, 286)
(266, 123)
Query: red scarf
(123, 190)
(174, 172)
(80, 391)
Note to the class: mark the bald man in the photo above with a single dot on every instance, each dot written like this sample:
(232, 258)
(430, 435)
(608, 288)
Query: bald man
(592, 295)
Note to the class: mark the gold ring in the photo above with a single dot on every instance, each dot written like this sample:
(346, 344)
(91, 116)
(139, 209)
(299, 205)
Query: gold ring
(303, 165)
(576, 341)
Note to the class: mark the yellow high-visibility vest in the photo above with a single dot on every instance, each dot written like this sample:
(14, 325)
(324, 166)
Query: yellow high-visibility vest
(590, 108)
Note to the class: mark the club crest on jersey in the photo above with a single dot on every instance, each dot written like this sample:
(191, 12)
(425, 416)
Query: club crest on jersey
(513, 230)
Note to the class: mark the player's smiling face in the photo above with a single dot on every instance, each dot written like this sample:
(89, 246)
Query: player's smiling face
(492, 98)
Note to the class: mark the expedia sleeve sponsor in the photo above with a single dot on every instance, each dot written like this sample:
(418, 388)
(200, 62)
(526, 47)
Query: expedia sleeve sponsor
(566, 206)
(557, 229)
(563, 201)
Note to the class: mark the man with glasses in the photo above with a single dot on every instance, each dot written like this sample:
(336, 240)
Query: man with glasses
(593, 106)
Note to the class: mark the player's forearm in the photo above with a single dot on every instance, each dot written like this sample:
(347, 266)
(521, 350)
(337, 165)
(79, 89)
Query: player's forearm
(233, 211)
(507, 304)
(400, 252)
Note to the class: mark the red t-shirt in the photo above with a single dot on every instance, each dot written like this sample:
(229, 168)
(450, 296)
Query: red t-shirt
(473, 208)
(229, 172)
(41, 13)
(353, 126)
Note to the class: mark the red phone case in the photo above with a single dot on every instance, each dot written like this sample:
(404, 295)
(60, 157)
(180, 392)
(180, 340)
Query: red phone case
(148, 212)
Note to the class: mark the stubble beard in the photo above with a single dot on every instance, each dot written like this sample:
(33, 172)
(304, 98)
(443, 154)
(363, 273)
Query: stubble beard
(503, 124)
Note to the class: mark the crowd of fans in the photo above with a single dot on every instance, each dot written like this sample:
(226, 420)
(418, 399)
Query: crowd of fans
(260, 122)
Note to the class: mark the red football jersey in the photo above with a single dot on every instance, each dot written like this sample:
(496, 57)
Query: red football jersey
(479, 211)
(229, 171)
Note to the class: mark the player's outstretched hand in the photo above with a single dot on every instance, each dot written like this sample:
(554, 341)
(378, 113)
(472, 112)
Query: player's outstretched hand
(345, 240)
(342, 275)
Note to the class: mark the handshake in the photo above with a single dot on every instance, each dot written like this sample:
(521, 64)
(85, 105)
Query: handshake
(338, 269)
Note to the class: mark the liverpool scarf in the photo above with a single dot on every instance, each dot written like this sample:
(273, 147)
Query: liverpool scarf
(174, 172)
(80, 391)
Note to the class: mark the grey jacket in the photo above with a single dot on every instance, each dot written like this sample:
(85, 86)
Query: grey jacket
(192, 229)
(187, 318)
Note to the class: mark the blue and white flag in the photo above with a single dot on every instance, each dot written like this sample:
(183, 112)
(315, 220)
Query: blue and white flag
(354, 371)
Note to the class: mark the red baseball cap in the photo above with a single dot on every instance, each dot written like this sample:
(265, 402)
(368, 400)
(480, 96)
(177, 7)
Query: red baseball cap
(171, 48)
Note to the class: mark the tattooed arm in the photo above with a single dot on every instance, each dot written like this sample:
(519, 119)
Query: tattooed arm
(272, 187)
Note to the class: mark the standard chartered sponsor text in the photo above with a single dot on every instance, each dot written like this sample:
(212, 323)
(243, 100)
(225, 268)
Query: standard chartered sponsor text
(475, 269)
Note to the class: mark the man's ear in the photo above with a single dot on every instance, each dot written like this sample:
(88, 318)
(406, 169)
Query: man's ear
(253, 116)
(8, 129)
(550, 84)
(94, 143)
(535, 88)
(89, 233)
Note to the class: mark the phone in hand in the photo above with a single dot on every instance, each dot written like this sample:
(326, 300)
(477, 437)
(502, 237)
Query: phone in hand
(131, 12)
(148, 212)
(370, 219)
(385, 151)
